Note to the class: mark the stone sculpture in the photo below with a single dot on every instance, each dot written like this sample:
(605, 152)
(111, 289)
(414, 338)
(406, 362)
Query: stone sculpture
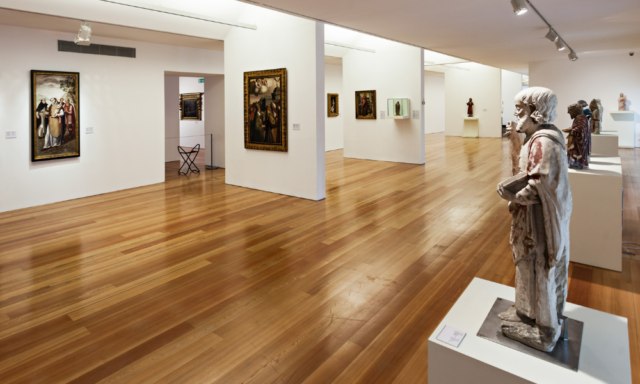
(397, 108)
(540, 202)
(596, 118)
(587, 112)
(622, 102)
(601, 109)
(515, 145)
(578, 140)
(470, 107)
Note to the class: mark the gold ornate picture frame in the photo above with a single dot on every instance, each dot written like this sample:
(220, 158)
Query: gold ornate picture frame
(265, 110)
(366, 105)
(55, 115)
(191, 106)
(333, 104)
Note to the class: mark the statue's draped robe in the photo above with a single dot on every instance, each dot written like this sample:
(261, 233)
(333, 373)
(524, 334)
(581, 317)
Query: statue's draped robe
(578, 145)
(595, 122)
(540, 228)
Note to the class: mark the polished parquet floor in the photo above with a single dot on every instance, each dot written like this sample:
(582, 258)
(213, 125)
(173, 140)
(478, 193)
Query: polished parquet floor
(195, 281)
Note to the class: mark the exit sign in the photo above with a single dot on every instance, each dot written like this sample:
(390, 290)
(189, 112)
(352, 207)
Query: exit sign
(200, 80)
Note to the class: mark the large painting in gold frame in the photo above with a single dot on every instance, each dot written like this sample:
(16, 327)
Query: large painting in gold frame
(366, 105)
(265, 110)
(55, 115)
(191, 106)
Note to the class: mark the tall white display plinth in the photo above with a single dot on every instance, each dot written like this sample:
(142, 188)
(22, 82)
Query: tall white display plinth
(471, 127)
(624, 122)
(604, 144)
(605, 347)
(596, 219)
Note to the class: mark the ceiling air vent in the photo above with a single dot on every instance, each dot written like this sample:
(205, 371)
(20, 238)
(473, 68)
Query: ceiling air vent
(96, 49)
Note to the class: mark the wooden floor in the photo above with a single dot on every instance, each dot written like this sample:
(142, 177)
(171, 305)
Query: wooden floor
(195, 281)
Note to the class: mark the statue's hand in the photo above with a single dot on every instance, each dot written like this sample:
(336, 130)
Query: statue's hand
(506, 194)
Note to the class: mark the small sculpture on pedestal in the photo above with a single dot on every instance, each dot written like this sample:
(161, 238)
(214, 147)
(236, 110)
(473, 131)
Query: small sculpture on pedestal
(540, 202)
(596, 118)
(587, 112)
(622, 102)
(470, 107)
(601, 109)
(397, 108)
(578, 140)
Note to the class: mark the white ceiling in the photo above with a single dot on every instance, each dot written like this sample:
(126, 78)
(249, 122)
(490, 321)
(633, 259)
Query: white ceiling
(61, 24)
(485, 31)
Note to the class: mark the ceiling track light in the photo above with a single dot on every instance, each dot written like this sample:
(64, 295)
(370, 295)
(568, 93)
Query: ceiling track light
(84, 35)
(552, 35)
(521, 6)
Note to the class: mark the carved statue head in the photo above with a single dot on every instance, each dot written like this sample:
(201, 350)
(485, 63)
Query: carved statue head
(535, 106)
(583, 103)
(622, 95)
(574, 110)
(593, 105)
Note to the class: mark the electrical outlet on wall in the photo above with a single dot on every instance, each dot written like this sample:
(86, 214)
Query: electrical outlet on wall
(296, 127)
(10, 134)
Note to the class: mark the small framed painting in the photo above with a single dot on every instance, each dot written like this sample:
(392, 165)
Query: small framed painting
(333, 105)
(191, 106)
(365, 104)
(55, 115)
(265, 110)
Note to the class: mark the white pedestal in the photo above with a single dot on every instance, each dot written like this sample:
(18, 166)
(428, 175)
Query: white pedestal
(471, 127)
(604, 359)
(596, 219)
(624, 122)
(604, 144)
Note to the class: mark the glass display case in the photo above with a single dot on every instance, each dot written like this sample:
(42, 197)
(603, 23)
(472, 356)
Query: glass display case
(397, 108)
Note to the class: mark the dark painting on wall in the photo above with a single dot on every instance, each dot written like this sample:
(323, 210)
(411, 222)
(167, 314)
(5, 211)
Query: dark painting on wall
(265, 110)
(333, 105)
(191, 106)
(55, 115)
(365, 104)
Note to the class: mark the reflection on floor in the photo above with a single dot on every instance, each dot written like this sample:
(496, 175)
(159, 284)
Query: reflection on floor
(193, 280)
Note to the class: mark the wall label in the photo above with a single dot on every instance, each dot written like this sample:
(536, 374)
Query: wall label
(451, 336)
(10, 134)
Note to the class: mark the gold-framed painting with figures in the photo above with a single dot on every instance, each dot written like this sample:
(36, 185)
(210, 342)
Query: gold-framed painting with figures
(265, 110)
(55, 115)
(191, 106)
(333, 104)
(365, 105)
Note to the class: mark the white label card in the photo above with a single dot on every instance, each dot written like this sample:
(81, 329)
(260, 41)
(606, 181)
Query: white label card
(451, 336)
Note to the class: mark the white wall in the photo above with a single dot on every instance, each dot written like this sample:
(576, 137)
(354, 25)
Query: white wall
(334, 126)
(482, 83)
(121, 98)
(214, 125)
(171, 118)
(394, 71)
(434, 96)
(281, 41)
(601, 78)
(191, 131)
(511, 86)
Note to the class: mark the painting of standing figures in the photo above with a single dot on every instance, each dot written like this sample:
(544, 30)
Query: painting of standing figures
(55, 115)
(365, 104)
(265, 110)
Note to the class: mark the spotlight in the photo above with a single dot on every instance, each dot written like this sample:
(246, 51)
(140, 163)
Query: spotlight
(573, 56)
(552, 35)
(84, 35)
(560, 45)
(519, 7)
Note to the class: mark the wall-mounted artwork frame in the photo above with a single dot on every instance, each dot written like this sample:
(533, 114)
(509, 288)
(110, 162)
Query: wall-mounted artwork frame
(191, 106)
(366, 105)
(333, 105)
(55, 115)
(265, 110)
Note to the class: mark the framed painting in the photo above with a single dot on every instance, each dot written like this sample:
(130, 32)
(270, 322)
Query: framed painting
(265, 110)
(333, 105)
(55, 115)
(191, 106)
(365, 104)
